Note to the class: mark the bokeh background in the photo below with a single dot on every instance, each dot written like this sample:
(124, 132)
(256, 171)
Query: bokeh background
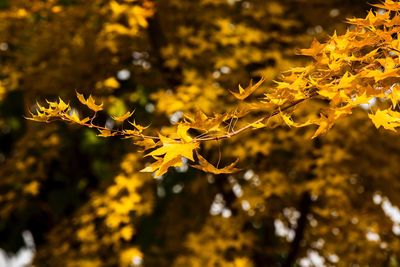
(70, 198)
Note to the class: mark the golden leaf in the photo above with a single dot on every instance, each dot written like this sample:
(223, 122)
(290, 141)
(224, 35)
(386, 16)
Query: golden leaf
(90, 102)
(205, 166)
(62, 106)
(111, 83)
(244, 93)
(172, 153)
(395, 94)
(388, 119)
(315, 49)
(323, 126)
(182, 133)
(75, 118)
(106, 133)
(145, 143)
(32, 188)
(287, 119)
(201, 122)
(258, 125)
(160, 168)
(138, 127)
(123, 117)
(389, 5)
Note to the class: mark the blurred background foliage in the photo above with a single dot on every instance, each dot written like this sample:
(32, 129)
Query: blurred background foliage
(297, 201)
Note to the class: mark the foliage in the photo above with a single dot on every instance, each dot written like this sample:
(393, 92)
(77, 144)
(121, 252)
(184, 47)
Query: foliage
(349, 70)
(295, 189)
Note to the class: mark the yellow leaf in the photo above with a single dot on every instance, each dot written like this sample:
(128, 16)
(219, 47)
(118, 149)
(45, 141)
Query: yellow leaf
(146, 143)
(287, 119)
(154, 166)
(127, 232)
(182, 133)
(389, 5)
(315, 49)
(81, 98)
(244, 93)
(32, 188)
(323, 126)
(388, 119)
(395, 94)
(75, 118)
(111, 83)
(131, 132)
(346, 81)
(138, 127)
(128, 254)
(105, 133)
(61, 105)
(160, 167)
(90, 102)
(201, 122)
(123, 117)
(258, 125)
(205, 166)
(171, 152)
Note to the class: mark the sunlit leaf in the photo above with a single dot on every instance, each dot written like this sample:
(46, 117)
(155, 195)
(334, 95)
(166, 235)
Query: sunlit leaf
(246, 92)
(205, 166)
(123, 117)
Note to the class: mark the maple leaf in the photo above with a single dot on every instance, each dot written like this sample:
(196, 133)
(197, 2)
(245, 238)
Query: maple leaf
(62, 106)
(378, 75)
(258, 125)
(123, 117)
(105, 133)
(90, 102)
(138, 127)
(346, 81)
(39, 117)
(244, 93)
(314, 50)
(365, 57)
(389, 5)
(205, 166)
(287, 119)
(160, 168)
(131, 133)
(201, 122)
(172, 153)
(75, 118)
(55, 109)
(370, 20)
(395, 94)
(182, 132)
(323, 126)
(388, 119)
(245, 107)
(146, 144)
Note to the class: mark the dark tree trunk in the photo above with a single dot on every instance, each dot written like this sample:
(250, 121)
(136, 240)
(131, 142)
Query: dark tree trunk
(305, 204)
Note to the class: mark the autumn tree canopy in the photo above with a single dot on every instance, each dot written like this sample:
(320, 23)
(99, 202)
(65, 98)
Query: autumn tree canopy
(201, 133)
